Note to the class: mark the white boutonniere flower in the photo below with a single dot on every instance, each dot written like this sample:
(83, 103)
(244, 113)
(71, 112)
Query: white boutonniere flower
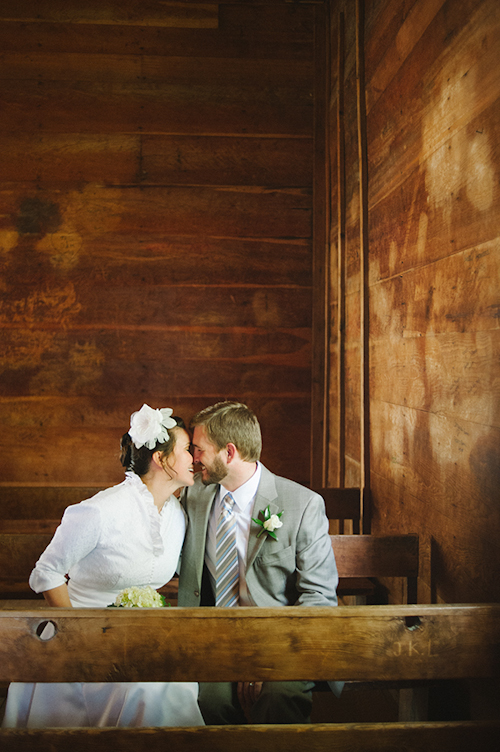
(270, 523)
(139, 597)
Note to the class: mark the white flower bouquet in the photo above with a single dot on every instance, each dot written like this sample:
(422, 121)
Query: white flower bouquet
(139, 597)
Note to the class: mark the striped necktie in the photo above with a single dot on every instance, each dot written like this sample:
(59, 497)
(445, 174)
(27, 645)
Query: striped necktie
(226, 557)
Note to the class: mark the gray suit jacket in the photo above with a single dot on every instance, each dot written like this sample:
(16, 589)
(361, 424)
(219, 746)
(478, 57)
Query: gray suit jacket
(298, 569)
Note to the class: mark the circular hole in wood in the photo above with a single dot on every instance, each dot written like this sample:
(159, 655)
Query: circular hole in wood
(412, 622)
(46, 630)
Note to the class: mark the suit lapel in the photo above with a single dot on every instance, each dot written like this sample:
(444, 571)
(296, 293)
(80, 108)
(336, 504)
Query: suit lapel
(200, 517)
(266, 495)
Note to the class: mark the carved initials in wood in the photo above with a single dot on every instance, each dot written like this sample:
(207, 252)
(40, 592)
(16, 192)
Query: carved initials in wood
(411, 649)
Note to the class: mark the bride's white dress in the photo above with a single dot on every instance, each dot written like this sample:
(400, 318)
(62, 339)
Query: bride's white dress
(107, 543)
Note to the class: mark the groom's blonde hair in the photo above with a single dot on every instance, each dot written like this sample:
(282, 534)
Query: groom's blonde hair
(231, 423)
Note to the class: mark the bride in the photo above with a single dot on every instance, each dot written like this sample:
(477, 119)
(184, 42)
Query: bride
(127, 535)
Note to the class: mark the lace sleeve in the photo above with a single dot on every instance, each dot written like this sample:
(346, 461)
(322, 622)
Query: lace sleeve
(76, 536)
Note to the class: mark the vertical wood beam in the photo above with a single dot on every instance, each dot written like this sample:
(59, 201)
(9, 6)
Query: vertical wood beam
(321, 253)
(341, 252)
(364, 268)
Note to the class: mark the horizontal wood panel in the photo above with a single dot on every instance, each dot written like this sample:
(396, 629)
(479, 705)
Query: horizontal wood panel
(376, 556)
(31, 503)
(369, 737)
(19, 552)
(167, 160)
(154, 13)
(454, 375)
(84, 89)
(395, 34)
(57, 107)
(89, 374)
(229, 161)
(369, 642)
(229, 78)
(462, 555)
(445, 93)
(424, 237)
(458, 293)
(123, 259)
(94, 436)
(94, 348)
(103, 306)
(270, 43)
(174, 210)
(453, 462)
(23, 541)
(72, 157)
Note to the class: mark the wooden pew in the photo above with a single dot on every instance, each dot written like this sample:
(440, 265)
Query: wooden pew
(342, 504)
(365, 556)
(208, 644)
(40, 502)
(29, 526)
(357, 556)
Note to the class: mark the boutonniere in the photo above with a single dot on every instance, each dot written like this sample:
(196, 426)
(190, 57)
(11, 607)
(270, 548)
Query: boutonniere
(270, 523)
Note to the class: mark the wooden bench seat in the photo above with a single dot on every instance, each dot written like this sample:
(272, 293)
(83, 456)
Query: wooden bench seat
(358, 557)
(365, 643)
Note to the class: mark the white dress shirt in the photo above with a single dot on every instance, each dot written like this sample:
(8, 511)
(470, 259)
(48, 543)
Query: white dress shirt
(244, 498)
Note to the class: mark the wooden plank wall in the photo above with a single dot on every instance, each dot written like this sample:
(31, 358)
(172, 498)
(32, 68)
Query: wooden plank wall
(156, 171)
(433, 132)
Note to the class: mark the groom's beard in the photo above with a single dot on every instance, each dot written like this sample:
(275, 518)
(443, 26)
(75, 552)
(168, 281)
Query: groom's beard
(215, 473)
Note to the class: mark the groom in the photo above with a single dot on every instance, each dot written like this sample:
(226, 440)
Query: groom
(224, 563)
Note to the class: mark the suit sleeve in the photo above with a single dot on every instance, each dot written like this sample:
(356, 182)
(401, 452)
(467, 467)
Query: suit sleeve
(316, 569)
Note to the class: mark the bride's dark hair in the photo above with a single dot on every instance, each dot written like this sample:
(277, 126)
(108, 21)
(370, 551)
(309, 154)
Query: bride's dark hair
(139, 460)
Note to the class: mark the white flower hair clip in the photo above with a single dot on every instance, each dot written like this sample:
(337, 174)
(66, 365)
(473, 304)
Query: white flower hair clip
(149, 427)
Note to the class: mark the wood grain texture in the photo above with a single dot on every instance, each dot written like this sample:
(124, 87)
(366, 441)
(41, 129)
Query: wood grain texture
(372, 737)
(226, 161)
(357, 556)
(28, 526)
(156, 188)
(273, 42)
(369, 642)
(376, 556)
(28, 503)
(155, 13)
(432, 84)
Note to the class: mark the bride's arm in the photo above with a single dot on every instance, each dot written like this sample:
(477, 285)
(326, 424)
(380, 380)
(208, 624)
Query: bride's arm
(58, 596)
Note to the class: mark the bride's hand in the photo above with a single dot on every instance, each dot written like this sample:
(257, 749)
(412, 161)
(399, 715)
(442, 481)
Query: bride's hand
(248, 693)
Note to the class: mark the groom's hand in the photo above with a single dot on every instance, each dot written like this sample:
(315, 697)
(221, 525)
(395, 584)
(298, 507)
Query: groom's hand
(248, 693)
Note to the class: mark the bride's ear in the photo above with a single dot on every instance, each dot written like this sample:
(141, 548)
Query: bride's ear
(157, 459)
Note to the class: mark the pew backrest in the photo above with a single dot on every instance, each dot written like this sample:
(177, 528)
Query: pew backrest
(40, 502)
(374, 556)
(357, 556)
(211, 644)
(342, 504)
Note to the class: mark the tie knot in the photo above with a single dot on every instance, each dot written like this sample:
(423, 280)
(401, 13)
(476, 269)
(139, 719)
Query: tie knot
(228, 502)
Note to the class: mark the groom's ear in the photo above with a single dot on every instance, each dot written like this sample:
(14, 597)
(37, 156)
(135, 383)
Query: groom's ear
(231, 452)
